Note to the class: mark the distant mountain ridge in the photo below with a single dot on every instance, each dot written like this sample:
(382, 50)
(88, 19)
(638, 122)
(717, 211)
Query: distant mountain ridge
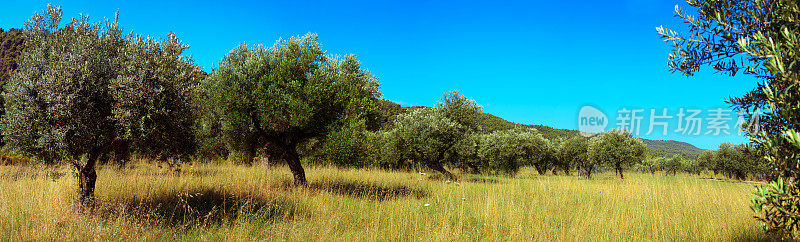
(491, 123)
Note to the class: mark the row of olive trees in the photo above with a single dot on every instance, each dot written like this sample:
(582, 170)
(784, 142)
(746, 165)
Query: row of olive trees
(734, 162)
(86, 91)
(737, 162)
(450, 135)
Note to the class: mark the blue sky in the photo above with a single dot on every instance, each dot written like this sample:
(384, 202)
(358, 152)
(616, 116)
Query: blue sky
(532, 62)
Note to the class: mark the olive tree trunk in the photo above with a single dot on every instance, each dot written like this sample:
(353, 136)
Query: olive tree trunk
(293, 160)
(87, 177)
(437, 166)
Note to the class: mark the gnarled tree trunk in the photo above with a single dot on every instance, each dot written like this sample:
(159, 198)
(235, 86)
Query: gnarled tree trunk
(436, 166)
(87, 177)
(589, 171)
(293, 160)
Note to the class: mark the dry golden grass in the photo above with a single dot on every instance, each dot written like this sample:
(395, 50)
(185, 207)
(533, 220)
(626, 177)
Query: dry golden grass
(226, 202)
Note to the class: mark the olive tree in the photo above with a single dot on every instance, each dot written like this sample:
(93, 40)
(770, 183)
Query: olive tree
(536, 150)
(652, 164)
(617, 149)
(729, 161)
(508, 150)
(346, 146)
(672, 164)
(279, 97)
(86, 90)
(461, 109)
(573, 152)
(426, 136)
(706, 161)
(465, 112)
(758, 38)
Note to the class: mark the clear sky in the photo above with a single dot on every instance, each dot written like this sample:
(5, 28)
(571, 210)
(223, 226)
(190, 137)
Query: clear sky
(532, 62)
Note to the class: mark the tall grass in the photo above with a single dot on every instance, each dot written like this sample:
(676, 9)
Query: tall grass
(205, 202)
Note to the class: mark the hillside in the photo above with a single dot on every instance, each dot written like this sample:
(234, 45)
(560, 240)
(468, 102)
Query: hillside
(492, 123)
(10, 47)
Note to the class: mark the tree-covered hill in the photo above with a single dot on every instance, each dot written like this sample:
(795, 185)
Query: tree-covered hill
(10, 48)
(668, 148)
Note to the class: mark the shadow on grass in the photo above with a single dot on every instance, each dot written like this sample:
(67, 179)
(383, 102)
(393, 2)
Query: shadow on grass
(362, 189)
(734, 181)
(198, 208)
(464, 178)
(480, 179)
(23, 172)
(166, 172)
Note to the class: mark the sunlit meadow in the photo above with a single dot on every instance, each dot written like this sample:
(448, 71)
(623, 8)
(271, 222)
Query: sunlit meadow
(210, 202)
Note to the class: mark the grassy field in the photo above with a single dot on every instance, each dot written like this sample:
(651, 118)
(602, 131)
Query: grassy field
(241, 203)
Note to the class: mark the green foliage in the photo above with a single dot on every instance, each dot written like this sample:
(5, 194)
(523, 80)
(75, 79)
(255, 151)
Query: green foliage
(672, 164)
(85, 90)
(507, 151)
(208, 136)
(465, 155)
(155, 91)
(728, 160)
(11, 44)
(426, 136)
(574, 152)
(488, 123)
(283, 96)
(346, 147)
(777, 207)
(706, 159)
(669, 148)
(461, 110)
(382, 150)
(756, 37)
(652, 164)
(99, 87)
(617, 149)
(388, 112)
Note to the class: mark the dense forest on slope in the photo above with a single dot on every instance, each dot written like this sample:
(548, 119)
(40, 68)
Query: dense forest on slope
(10, 48)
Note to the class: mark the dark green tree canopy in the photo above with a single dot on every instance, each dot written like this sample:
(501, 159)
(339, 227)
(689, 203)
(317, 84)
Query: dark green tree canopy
(426, 136)
(509, 150)
(574, 152)
(285, 95)
(11, 44)
(617, 149)
(461, 109)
